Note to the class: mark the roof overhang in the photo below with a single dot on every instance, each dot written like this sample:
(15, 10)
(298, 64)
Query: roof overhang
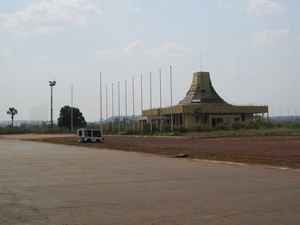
(206, 108)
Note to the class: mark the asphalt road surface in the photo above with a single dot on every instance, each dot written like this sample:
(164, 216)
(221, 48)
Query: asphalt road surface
(58, 185)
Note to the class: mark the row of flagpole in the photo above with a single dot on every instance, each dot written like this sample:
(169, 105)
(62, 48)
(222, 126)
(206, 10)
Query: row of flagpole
(112, 100)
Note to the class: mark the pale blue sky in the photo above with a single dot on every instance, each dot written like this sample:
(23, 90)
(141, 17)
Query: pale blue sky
(251, 48)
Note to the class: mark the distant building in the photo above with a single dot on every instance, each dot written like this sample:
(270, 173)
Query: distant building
(203, 106)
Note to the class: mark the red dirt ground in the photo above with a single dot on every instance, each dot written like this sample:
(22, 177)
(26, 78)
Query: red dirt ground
(277, 151)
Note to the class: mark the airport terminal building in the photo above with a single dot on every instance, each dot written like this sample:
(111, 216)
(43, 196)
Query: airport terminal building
(203, 107)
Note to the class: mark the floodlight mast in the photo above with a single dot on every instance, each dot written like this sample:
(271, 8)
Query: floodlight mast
(51, 84)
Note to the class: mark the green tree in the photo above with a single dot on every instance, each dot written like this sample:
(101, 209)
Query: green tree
(65, 116)
(12, 112)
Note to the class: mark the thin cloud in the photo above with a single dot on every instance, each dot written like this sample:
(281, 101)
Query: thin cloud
(225, 4)
(135, 46)
(270, 38)
(49, 15)
(265, 7)
(138, 48)
(169, 48)
(137, 9)
(106, 53)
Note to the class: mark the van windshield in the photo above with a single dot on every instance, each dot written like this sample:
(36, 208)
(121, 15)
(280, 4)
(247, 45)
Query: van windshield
(88, 133)
(97, 133)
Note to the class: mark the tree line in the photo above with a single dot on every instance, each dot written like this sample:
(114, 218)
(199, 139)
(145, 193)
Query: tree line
(69, 117)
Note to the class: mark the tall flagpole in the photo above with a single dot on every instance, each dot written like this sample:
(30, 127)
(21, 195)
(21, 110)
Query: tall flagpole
(150, 90)
(142, 103)
(171, 98)
(133, 99)
(106, 103)
(133, 105)
(101, 104)
(126, 105)
(119, 108)
(151, 128)
(160, 101)
(72, 106)
(112, 107)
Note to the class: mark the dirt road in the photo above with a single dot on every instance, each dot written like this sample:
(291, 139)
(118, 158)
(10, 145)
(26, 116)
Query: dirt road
(57, 184)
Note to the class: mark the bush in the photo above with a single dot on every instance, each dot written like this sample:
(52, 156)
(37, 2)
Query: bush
(256, 126)
(237, 126)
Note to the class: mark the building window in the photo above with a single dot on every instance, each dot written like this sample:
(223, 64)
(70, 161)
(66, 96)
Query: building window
(237, 120)
(197, 118)
(89, 133)
(243, 117)
(217, 121)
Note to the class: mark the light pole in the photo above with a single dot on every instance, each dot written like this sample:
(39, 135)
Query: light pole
(52, 84)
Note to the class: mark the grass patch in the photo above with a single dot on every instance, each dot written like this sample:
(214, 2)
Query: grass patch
(25, 130)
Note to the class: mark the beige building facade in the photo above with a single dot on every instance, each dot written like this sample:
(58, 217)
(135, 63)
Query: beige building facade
(203, 107)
